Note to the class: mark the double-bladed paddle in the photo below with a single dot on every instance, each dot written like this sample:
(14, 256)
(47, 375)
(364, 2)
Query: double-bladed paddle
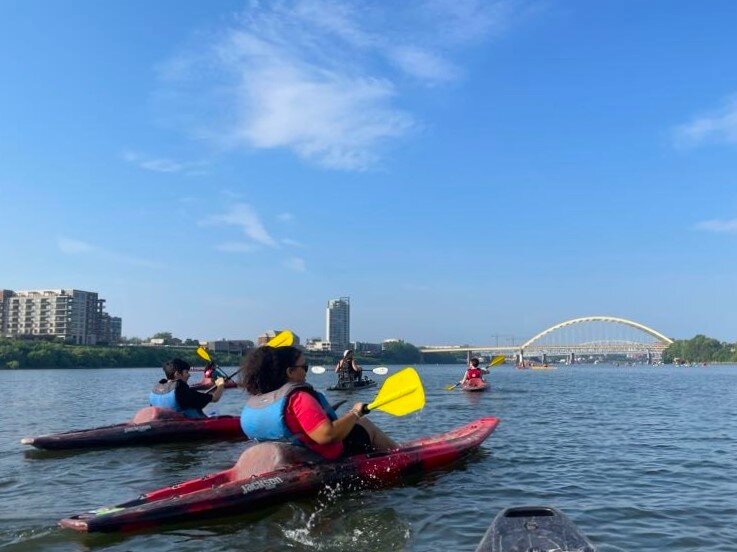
(379, 370)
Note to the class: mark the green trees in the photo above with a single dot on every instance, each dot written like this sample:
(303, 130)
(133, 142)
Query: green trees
(701, 349)
(16, 354)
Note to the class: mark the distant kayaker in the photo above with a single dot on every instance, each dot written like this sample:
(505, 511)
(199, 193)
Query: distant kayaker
(212, 372)
(174, 393)
(348, 367)
(473, 371)
(283, 406)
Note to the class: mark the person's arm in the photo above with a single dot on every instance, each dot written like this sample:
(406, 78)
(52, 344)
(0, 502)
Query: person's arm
(311, 419)
(337, 367)
(355, 366)
(219, 388)
(333, 431)
(191, 398)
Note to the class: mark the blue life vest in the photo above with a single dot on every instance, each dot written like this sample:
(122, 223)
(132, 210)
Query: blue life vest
(163, 395)
(263, 417)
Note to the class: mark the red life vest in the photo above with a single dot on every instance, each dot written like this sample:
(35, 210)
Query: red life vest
(473, 373)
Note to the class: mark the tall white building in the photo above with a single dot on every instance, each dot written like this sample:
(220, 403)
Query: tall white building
(69, 314)
(338, 323)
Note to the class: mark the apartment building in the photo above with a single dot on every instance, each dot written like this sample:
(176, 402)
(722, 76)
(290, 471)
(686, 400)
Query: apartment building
(72, 315)
(338, 323)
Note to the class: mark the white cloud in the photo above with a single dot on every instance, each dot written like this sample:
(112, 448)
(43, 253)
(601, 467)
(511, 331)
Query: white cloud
(243, 216)
(285, 217)
(162, 165)
(323, 78)
(291, 242)
(296, 263)
(718, 226)
(71, 246)
(718, 127)
(236, 247)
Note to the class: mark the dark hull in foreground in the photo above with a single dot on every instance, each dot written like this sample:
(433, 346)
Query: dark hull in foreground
(533, 528)
(350, 384)
(149, 425)
(251, 486)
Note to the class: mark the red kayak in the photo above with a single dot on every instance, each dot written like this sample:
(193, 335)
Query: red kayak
(474, 384)
(206, 383)
(149, 425)
(274, 472)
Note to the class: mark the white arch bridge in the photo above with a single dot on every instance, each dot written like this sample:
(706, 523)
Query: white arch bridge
(590, 335)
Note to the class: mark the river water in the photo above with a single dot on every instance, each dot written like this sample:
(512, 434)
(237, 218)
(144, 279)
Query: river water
(641, 458)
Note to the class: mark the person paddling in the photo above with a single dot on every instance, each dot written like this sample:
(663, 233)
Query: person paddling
(347, 367)
(283, 406)
(174, 393)
(473, 371)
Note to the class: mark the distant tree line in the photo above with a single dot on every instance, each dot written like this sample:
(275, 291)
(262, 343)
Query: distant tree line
(700, 349)
(20, 353)
(48, 354)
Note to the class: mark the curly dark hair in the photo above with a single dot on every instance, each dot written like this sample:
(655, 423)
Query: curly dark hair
(175, 365)
(264, 369)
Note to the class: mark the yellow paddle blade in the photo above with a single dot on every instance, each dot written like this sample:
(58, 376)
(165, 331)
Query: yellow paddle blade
(401, 394)
(282, 339)
(499, 359)
(202, 353)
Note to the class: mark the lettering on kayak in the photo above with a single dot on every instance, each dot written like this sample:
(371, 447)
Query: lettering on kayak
(137, 428)
(269, 483)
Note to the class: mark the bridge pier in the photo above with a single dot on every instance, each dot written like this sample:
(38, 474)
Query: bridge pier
(571, 358)
(521, 358)
(545, 359)
(649, 357)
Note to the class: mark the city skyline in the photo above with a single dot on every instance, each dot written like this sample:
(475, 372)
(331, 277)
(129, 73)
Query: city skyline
(532, 163)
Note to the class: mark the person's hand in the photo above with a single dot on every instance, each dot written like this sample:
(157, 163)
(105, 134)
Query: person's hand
(220, 382)
(357, 410)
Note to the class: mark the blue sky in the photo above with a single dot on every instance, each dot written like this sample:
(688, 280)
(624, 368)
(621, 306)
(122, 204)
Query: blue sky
(459, 169)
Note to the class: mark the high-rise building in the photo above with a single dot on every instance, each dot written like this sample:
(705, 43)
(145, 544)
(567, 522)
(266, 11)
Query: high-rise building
(338, 323)
(69, 314)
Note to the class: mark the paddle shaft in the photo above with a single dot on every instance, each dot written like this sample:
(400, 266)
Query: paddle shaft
(225, 379)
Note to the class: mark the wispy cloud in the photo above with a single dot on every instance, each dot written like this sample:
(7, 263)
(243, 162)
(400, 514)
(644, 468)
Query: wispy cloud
(72, 246)
(163, 165)
(292, 243)
(324, 78)
(236, 247)
(718, 226)
(719, 126)
(245, 217)
(296, 263)
(285, 217)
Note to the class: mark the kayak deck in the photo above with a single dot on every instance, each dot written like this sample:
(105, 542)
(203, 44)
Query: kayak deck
(528, 528)
(244, 488)
(149, 425)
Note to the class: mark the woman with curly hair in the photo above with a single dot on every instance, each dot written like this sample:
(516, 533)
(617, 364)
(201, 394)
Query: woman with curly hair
(283, 406)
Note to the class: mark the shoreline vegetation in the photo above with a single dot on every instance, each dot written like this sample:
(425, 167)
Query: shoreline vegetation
(18, 354)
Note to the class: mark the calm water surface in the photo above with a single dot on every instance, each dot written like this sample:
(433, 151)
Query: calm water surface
(640, 458)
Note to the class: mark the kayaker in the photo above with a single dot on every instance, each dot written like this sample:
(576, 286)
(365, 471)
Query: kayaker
(348, 367)
(473, 371)
(283, 406)
(174, 393)
(212, 372)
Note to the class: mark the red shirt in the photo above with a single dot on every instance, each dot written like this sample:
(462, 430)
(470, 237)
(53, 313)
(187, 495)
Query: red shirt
(303, 415)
